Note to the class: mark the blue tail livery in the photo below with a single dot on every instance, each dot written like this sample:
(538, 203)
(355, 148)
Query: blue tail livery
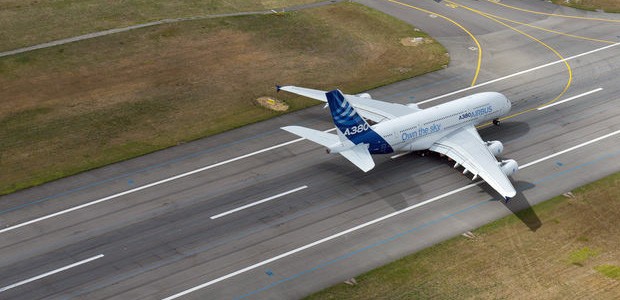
(353, 126)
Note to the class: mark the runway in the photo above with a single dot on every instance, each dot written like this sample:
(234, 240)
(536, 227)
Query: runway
(255, 213)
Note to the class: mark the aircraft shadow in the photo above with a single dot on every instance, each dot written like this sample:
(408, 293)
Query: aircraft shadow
(519, 205)
(385, 181)
(389, 173)
(507, 131)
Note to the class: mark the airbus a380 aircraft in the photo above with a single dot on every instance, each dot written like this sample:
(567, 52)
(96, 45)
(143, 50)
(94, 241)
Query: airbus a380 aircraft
(447, 128)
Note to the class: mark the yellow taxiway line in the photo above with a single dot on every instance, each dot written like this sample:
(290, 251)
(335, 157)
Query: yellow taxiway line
(473, 82)
(568, 68)
(553, 15)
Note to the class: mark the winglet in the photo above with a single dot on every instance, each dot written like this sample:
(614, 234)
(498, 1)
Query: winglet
(278, 88)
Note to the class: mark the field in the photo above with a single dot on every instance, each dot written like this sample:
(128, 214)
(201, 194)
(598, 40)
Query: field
(612, 6)
(28, 22)
(82, 105)
(573, 255)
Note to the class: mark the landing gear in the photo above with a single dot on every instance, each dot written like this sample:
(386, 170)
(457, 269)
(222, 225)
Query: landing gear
(496, 122)
(507, 199)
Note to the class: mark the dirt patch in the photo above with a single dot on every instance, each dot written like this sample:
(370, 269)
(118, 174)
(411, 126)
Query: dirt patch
(415, 41)
(272, 103)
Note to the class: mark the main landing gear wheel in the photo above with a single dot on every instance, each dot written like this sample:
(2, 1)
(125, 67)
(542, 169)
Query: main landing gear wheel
(496, 122)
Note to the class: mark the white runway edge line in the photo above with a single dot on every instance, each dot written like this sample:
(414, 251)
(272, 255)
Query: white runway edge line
(519, 73)
(152, 184)
(571, 98)
(146, 186)
(50, 273)
(331, 237)
(259, 202)
(267, 149)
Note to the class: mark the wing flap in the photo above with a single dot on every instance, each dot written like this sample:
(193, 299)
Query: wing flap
(467, 148)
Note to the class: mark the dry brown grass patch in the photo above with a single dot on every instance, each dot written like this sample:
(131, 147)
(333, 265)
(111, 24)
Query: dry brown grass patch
(81, 105)
(606, 5)
(507, 260)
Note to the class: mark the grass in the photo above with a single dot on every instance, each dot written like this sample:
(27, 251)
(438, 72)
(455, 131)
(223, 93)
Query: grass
(610, 6)
(82, 105)
(573, 255)
(579, 257)
(610, 271)
(29, 22)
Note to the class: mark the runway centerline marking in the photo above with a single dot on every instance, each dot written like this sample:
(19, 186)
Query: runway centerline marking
(570, 99)
(339, 234)
(73, 265)
(259, 202)
(147, 186)
(274, 147)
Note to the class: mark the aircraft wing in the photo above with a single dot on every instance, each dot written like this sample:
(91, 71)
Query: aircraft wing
(467, 148)
(371, 109)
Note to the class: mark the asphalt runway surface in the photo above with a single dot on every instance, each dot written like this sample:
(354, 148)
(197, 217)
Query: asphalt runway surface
(167, 225)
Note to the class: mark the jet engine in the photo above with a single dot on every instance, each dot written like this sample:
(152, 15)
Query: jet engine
(508, 166)
(364, 95)
(496, 147)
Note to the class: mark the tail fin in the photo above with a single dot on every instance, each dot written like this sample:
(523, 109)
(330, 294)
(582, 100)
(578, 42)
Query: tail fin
(346, 119)
(353, 129)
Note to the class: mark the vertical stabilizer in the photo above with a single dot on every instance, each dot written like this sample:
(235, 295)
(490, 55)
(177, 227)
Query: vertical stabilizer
(352, 126)
(346, 119)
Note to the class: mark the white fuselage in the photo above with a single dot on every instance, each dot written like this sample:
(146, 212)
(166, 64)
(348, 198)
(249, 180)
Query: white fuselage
(419, 130)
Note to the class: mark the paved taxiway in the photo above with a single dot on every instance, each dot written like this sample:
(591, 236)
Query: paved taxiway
(160, 240)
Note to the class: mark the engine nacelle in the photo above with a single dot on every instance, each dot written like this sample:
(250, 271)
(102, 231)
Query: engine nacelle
(496, 147)
(508, 166)
(364, 95)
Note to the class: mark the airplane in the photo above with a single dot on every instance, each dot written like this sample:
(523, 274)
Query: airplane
(447, 128)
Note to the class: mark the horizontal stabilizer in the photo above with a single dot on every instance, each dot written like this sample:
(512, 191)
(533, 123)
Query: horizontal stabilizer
(322, 138)
(360, 156)
(357, 154)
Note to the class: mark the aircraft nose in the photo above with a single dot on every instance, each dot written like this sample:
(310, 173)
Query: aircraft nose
(506, 101)
(508, 104)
